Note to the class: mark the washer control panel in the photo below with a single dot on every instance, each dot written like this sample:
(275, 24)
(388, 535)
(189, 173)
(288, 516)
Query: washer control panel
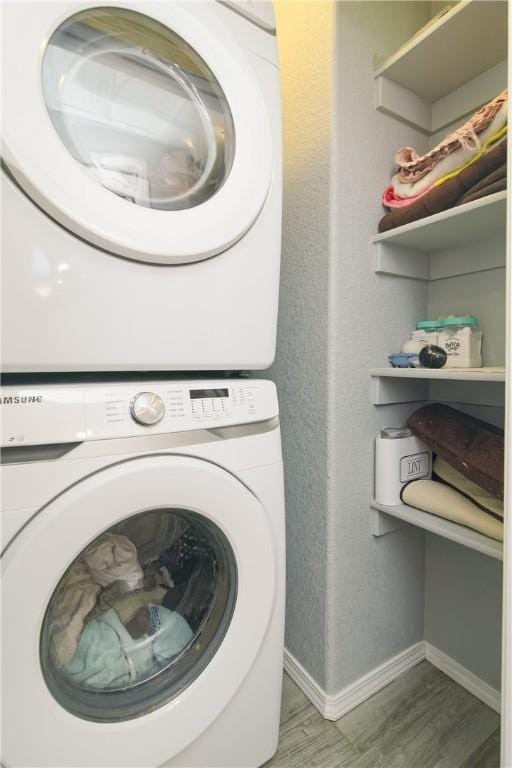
(66, 413)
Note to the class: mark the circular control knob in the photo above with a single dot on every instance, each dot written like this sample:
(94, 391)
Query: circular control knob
(147, 408)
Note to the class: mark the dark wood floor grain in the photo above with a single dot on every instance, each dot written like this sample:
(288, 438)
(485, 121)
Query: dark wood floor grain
(421, 720)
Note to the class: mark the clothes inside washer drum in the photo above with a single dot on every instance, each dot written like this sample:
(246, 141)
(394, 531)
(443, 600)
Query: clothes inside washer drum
(113, 557)
(110, 558)
(108, 657)
(443, 501)
(74, 599)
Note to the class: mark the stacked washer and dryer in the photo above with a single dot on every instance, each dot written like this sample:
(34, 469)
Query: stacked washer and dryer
(142, 500)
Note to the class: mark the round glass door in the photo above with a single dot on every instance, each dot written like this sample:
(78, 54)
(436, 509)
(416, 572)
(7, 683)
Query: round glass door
(138, 108)
(138, 614)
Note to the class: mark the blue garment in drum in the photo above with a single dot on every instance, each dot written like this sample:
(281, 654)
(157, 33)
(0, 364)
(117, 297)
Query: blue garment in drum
(108, 657)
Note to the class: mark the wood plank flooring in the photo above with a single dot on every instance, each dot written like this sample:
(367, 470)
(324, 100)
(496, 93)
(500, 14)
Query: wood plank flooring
(421, 720)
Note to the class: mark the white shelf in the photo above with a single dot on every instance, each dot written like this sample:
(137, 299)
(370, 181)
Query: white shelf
(452, 51)
(413, 385)
(448, 244)
(487, 373)
(457, 226)
(438, 525)
(448, 69)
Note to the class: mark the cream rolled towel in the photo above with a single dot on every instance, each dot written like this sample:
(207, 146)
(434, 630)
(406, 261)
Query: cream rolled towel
(452, 477)
(443, 501)
(113, 557)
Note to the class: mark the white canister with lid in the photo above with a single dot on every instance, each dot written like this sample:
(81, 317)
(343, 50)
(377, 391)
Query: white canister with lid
(427, 331)
(399, 458)
(461, 339)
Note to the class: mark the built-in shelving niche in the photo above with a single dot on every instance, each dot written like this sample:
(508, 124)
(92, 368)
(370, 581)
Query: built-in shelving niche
(436, 79)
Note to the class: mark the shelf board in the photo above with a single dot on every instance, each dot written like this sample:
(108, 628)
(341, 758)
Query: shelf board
(455, 227)
(441, 527)
(487, 373)
(452, 51)
(413, 385)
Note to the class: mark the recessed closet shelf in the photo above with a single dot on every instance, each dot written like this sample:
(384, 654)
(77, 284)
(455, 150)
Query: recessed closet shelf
(457, 226)
(445, 528)
(451, 51)
(487, 373)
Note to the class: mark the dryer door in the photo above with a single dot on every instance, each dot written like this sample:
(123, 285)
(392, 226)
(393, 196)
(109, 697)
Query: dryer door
(135, 604)
(139, 126)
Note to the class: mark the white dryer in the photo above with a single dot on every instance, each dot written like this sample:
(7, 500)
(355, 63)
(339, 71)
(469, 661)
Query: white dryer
(141, 185)
(143, 574)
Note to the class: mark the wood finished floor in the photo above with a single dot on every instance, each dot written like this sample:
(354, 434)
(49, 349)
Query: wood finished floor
(421, 720)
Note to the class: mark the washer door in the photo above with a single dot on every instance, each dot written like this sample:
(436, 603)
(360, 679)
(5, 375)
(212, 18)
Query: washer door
(138, 126)
(135, 604)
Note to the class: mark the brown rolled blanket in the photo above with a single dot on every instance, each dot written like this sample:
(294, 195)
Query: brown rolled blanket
(475, 448)
(450, 193)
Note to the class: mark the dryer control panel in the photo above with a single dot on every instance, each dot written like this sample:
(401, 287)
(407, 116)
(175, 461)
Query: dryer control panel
(62, 413)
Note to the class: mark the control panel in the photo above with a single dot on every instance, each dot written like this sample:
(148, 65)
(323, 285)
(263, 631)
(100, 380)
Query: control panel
(68, 413)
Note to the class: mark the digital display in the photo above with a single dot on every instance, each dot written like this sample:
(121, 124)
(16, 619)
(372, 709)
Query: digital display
(196, 394)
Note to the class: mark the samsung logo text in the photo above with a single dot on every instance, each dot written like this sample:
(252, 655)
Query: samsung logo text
(20, 399)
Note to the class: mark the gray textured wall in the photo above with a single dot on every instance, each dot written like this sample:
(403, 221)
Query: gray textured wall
(375, 600)
(352, 601)
(306, 41)
(463, 607)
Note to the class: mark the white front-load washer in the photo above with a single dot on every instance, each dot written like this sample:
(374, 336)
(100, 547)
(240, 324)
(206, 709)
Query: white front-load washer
(143, 574)
(141, 185)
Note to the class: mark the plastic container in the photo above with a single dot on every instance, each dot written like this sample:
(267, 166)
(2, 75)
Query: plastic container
(399, 458)
(401, 360)
(427, 331)
(461, 339)
(412, 347)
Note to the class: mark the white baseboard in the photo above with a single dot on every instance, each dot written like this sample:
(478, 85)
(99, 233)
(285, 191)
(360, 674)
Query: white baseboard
(306, 683)
(332, 707)
(464, 677)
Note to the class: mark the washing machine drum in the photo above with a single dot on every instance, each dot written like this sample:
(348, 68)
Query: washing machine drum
(140, 127)
(135, 604)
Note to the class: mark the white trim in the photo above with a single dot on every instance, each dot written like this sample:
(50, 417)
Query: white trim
(306, 683)
(464, 677)
(506, 663)
(332, 707)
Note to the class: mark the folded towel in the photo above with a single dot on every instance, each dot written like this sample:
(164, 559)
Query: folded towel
(491, 189)
(392, 200)
(450, 476)
(493, 182)
(446, 502)
(472, 447)
(447, 195)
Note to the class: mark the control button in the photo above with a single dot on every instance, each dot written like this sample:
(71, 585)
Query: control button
(147, 408)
